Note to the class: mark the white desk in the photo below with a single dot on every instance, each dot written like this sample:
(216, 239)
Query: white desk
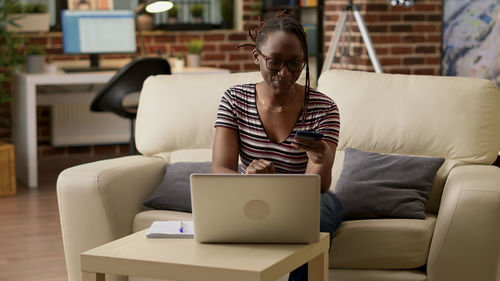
(24, 115)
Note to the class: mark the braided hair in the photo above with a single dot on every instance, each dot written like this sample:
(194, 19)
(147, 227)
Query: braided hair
(286, 23)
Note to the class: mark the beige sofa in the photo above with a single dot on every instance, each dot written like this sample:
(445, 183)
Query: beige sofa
(454, 118)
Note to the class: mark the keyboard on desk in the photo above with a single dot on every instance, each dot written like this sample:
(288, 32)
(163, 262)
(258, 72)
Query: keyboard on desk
(88, 69)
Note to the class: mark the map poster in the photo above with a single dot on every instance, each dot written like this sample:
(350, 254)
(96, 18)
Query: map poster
(471, 39)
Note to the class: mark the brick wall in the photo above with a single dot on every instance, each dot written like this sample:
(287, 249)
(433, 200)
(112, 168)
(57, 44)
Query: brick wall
(406, 40)
(219, 49)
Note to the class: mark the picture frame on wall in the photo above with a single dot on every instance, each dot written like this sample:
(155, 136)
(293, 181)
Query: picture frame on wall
(90, 4)
(471, 36)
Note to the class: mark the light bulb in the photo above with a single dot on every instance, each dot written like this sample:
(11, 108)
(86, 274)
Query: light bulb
(159, 6)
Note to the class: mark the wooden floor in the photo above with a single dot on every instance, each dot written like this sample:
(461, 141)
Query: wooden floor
(30, 232)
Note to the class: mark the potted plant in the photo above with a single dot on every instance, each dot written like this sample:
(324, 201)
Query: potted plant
(11, 55)
(179, 62)
(173, 13)
(194, 47)
(196, 11)
(226, 11)
(35, 59)
(256, 9)
(31, 17)
(176, 62)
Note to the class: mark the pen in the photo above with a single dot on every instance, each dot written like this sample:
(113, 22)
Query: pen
(181, 228)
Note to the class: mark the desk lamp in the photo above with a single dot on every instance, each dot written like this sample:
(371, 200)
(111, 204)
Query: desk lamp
(152, 7)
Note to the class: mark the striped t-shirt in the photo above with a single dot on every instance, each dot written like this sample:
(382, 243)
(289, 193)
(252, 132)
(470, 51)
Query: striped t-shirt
(238, 110)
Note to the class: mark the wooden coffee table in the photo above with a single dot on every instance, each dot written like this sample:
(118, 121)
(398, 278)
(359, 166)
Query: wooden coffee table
(187, 260)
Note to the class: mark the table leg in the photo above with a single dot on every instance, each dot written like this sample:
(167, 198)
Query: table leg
(318, 267)
(93, 276)
(24, 131)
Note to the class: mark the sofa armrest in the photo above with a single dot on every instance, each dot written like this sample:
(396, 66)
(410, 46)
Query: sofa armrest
(98, 202)
(466, 241)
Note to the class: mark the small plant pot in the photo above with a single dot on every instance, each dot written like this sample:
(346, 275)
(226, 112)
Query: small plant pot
(193, 60)
(179, 64)
(35, 64)
(176, 63)
(197, 20)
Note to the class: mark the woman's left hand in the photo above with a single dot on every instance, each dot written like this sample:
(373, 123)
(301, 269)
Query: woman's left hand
(318, 151)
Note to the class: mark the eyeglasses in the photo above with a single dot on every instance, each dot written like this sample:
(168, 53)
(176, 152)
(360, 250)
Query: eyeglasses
(277, 65)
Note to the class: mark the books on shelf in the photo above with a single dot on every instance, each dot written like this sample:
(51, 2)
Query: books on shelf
(281, 3)
(171, 229)
(308, 3)
(311, 34)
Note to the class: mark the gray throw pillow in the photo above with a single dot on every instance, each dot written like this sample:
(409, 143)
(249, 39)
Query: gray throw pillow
(174, 192)
(374, 185)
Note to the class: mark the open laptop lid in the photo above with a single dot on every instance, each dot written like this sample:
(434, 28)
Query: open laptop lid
(267, 208)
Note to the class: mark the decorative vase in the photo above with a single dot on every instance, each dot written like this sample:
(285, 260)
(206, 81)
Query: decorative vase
(35, 64)
(145, 22)
(193, 60)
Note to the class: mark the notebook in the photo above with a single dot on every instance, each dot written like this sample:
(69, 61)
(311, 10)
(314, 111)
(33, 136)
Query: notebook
(170, 229)
(266, 208)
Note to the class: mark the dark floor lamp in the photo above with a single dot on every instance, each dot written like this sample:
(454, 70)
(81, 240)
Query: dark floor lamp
(340, 29)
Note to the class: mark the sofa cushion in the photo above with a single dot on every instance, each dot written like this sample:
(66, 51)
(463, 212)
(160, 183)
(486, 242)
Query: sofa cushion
(144, 219)
(382, 243)
(378, 275)
(178, 112)
(417, 115)
(374, 185)
(173, 193)
(187, 155)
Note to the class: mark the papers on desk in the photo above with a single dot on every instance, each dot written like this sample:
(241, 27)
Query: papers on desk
(171, 229)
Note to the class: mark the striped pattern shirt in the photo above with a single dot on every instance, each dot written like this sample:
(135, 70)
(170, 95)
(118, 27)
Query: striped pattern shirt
(238, 110)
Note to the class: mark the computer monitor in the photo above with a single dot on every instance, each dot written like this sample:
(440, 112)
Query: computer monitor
(98, 32)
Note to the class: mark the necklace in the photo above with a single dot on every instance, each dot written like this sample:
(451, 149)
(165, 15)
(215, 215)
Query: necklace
(282, 109)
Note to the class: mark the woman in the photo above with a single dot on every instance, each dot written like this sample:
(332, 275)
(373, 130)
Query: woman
(258, 122)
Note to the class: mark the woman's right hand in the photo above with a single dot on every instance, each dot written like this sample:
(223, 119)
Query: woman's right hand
(260, 166)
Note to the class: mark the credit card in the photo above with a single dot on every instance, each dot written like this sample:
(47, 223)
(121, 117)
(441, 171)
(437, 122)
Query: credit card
(311, 135)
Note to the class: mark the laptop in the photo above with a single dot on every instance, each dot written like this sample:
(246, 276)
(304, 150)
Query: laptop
(265, 208)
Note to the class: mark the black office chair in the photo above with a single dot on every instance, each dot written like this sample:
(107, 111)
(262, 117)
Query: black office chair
(128, 80)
